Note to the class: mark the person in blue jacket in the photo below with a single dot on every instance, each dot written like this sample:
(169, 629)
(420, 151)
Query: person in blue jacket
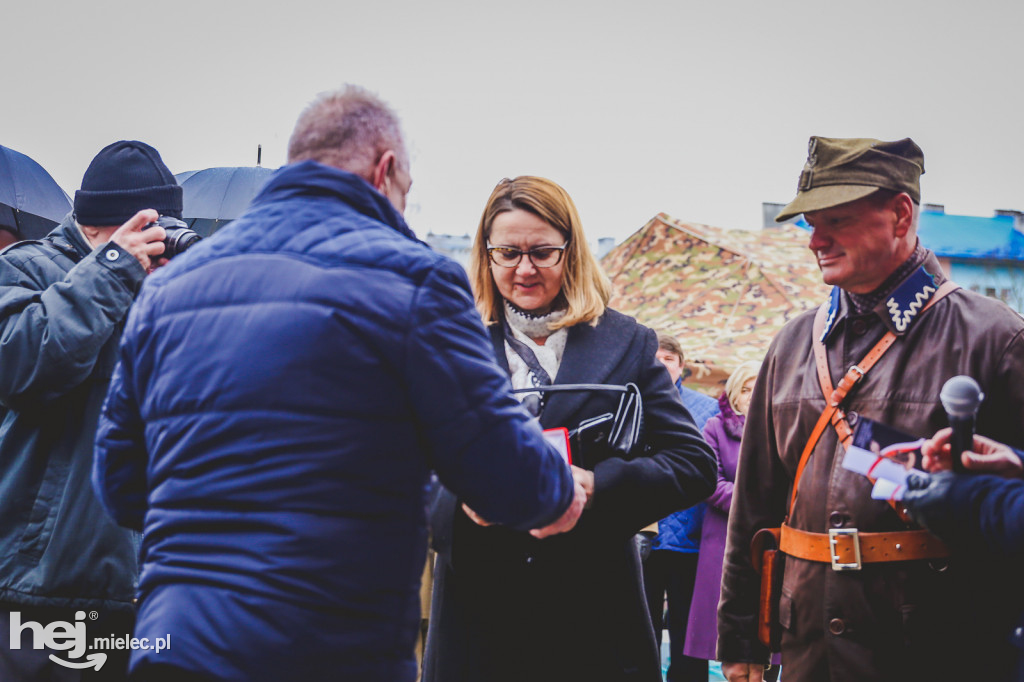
(63, 302)
(982, 513)
(284, 390)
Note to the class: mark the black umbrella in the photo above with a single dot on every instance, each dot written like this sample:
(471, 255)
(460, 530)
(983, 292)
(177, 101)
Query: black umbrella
(30, 200)
(216, 196)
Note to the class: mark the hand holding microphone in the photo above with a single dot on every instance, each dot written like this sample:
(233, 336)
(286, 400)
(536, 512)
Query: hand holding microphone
(961, 397)
(986, 456)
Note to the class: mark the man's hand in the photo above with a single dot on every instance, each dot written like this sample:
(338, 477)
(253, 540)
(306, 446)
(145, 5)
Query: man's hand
(987, 456)
(144, 244)
(568, 520)
(743, 672)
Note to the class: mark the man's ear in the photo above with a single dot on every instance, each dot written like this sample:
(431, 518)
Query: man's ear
(903, 207)
(383, 169)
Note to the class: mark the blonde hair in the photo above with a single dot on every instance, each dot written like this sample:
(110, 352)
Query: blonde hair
(585, 287)
(741, 375)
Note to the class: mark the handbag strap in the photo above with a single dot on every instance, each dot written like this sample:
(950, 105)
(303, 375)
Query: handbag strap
(538, 374)
(566, 388)
(834, 397)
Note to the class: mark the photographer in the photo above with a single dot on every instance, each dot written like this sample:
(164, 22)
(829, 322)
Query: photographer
(63, 300)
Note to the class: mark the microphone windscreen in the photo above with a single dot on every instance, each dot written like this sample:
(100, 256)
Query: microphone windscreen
(961, 396)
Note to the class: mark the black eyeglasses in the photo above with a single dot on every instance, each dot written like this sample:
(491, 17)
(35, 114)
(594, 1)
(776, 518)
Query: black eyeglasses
(541, 256)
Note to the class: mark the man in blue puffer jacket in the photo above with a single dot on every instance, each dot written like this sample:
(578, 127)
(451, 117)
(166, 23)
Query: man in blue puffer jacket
(285, 388)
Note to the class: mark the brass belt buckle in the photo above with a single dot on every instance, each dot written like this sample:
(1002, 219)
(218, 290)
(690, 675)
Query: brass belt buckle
(833, 539)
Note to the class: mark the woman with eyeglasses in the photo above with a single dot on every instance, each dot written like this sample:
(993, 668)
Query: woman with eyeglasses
(510, 607)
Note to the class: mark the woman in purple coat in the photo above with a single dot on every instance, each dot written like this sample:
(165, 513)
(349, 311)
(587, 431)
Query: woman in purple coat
(723, 433)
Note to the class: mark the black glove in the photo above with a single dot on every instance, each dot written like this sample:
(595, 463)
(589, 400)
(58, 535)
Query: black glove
(927, 500)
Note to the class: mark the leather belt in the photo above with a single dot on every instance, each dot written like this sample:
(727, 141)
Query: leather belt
(847, 549)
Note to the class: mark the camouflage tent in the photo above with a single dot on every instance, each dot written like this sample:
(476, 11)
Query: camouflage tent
(723, 293)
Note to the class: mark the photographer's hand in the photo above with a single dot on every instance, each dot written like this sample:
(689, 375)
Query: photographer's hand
(144, 244)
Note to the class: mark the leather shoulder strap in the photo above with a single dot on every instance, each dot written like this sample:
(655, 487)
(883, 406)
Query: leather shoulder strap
(834, 397)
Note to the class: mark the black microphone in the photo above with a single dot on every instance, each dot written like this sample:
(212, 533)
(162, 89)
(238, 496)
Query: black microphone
(961, 397)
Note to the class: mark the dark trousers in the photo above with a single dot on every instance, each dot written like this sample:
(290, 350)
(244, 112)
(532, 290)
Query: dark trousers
(29, 664)
(673, 574)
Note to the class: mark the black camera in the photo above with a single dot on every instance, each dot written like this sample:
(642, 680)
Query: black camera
(179, 236)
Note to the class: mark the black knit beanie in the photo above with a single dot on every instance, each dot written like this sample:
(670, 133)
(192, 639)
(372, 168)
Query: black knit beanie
(123, 179)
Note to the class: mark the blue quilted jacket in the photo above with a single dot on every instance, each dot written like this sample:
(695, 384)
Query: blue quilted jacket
(285, 388)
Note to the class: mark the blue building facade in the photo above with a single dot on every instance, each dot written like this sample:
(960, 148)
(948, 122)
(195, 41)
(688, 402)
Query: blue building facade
(982, 254)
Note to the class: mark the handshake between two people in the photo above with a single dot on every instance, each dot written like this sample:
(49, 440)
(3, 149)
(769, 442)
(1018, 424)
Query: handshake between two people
(583, 494)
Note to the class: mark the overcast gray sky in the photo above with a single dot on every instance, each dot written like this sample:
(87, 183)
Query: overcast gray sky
(698, 109)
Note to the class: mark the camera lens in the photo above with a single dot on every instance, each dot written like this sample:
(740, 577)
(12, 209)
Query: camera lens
(179, 236)
(178, 240)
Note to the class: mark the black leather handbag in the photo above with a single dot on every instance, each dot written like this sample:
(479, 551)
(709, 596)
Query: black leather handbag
(597, 438)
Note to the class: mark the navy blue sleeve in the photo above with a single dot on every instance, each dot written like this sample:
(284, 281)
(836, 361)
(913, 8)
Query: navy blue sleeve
(119, 464)
(484, 447)
(987, 512)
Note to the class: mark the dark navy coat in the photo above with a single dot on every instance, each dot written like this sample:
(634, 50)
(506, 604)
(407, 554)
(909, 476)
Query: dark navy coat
(570, 607)
(285, 388)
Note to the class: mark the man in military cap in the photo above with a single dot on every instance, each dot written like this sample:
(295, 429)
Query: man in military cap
(866, 594)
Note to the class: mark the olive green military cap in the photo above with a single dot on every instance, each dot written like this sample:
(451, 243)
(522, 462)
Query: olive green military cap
(841, 170)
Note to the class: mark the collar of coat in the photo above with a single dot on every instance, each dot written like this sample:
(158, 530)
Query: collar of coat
(899, 308)
(66, 238)
(309, 179)
(592, 355)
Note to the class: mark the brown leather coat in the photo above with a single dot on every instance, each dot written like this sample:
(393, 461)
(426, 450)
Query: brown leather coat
(891, 621)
